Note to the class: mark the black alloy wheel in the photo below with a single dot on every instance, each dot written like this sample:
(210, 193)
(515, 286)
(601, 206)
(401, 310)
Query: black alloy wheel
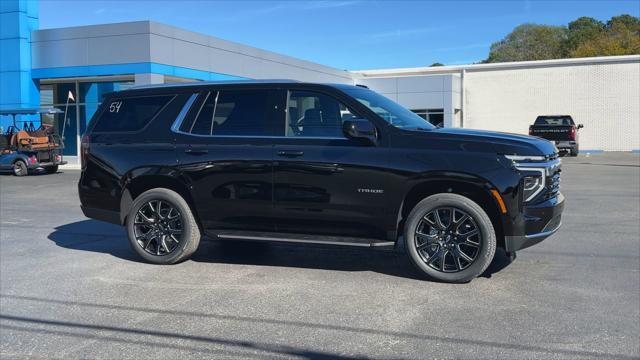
(448, 239)
(158, 227)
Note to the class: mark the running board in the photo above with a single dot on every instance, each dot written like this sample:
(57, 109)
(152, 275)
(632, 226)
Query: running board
(300, 238)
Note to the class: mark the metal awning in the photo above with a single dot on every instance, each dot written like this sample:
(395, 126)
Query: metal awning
(33, 111)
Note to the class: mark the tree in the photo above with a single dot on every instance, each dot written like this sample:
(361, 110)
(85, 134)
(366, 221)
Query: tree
(582, 30)
(436, 64)
(530, 42)
(621, 36)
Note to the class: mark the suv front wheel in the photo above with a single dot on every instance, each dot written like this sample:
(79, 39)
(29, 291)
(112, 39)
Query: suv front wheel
(161, 227)
(450, 238)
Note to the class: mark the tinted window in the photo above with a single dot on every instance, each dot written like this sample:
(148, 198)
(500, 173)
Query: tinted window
(130, 114)
(311, 114)
(231, 112)
(204, 116)
(554, 120)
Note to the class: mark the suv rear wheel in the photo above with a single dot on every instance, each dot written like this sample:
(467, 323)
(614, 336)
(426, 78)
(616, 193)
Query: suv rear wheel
(162, 228)
(450, 238)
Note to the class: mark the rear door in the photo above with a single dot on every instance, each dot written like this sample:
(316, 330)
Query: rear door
(224, 147)
(326, 184)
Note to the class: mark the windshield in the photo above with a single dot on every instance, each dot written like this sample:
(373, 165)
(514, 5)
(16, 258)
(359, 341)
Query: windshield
(389, 111)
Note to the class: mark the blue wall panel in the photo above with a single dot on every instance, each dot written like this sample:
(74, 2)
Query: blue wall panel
(18, 18)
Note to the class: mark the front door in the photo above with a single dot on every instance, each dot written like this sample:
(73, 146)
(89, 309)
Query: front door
(324, 183)
(224, 148)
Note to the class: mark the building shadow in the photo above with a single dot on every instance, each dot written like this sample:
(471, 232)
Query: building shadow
(97, 236)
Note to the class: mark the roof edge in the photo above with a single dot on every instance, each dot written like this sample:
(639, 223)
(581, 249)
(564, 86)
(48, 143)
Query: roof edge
(491, 66)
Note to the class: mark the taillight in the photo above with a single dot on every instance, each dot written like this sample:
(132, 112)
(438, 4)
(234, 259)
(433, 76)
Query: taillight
(530, 131)
(572, 133)
(84, 149)
(33, 160)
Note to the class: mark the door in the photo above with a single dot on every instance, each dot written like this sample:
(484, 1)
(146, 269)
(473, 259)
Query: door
(224, 149)
(324, 183)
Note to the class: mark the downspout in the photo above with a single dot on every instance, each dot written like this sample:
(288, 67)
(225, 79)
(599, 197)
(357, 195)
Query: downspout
(462, 98)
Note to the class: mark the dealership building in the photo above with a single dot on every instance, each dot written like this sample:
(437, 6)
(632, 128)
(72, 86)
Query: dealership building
(39, 68)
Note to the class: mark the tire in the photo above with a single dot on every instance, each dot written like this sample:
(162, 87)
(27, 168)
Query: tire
(51, 169)
(139, 229)
(20, 168)
(574, 152)
(480, 248)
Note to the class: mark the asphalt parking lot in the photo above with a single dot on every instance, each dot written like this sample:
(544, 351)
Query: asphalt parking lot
(71, 288)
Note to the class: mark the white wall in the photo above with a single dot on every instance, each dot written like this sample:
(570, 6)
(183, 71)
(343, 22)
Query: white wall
(603, 97)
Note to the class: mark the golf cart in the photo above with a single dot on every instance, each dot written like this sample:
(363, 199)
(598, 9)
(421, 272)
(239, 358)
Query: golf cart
(25, 148)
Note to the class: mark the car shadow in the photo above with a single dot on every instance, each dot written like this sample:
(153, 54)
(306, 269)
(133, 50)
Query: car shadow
(97, 236)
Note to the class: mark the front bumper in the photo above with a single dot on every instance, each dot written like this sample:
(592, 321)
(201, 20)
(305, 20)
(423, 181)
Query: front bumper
(541, 221)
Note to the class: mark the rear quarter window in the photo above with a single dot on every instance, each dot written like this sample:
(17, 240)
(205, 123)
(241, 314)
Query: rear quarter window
(130, 113)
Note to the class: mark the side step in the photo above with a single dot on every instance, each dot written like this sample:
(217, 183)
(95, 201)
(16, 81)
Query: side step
(300, 238)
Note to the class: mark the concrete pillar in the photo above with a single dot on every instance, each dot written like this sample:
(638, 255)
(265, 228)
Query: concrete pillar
(18, 18)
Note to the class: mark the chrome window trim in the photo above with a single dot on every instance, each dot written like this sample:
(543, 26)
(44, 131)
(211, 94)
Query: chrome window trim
(183, 113)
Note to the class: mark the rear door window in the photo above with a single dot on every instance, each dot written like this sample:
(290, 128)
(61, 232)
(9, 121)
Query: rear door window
(130, 113)
(230, 113)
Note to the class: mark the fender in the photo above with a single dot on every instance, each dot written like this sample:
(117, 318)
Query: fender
(473, 186)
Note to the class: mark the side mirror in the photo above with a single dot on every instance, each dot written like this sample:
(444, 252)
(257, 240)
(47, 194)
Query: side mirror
(359, 129)
(580, 126)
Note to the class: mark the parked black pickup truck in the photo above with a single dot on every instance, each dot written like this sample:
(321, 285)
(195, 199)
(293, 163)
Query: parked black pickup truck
(560, 129)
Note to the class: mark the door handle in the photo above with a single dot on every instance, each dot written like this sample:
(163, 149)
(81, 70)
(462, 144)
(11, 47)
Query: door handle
(290, 153)
(196, 151)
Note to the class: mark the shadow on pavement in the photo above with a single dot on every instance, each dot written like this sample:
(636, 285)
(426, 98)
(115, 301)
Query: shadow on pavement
(97, 236)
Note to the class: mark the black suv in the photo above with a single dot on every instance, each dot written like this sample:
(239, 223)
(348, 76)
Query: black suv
(311, 163)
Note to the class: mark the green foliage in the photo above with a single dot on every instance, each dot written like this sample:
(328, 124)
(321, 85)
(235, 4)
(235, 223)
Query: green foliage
(583, 37)
(582, 30)
(436, 64)
(530, 42)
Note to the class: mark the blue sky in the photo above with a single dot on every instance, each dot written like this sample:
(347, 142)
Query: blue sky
(346, 34)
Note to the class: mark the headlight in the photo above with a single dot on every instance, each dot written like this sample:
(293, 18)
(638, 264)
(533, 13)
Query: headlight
(532, 185)
(533, 182)
(535, 170)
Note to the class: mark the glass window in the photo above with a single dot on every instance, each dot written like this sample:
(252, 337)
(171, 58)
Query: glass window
(230, 113)
(554, 120)
(130, 114)
(62, 91)
(434, 116)
(46, 95)
(388, 110)
(311, 114)
(241, 113)
(204, 116)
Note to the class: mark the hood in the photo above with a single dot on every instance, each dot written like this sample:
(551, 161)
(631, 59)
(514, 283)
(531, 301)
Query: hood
(498, 142)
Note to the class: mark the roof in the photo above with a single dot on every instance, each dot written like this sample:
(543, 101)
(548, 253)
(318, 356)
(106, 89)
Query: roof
(497, 66)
